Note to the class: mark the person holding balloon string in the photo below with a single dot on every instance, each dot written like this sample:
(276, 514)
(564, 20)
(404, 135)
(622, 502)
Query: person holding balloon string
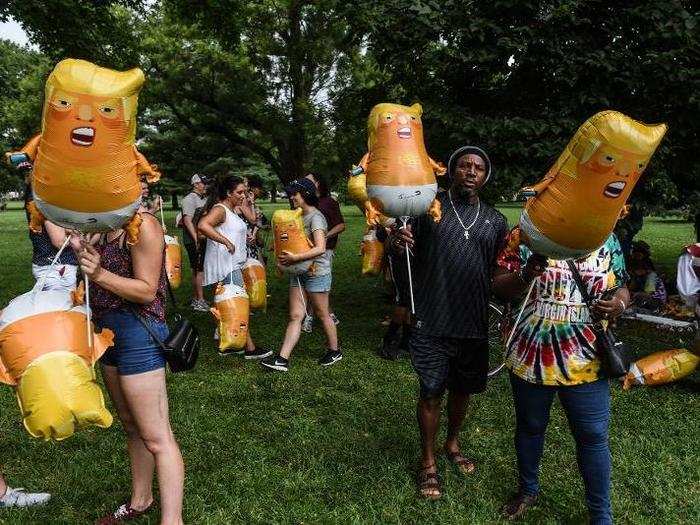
(315, 281)
(128, 282)
(455, 258)
(565, 259)
(225, 254)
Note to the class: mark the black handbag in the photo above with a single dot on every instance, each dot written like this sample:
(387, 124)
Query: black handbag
(612, 352)
(181, 348)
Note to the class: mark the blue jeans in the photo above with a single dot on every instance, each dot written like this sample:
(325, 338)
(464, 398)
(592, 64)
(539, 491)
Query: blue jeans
(587, 408)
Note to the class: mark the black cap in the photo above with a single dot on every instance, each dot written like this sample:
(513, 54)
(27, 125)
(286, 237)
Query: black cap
(465, 150)
(303, 186)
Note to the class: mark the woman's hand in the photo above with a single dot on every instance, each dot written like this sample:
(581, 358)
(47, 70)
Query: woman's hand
(609, 308)
(90, 262)
(287, 258)
(230, 247)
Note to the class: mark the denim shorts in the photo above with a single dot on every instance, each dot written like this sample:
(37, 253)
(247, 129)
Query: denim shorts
(312, 283)
(134, 350)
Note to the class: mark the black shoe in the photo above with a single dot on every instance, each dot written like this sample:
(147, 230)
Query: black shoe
(276, 362)
(229, 353)
(331, 357)
(518, 505)
(258, 353)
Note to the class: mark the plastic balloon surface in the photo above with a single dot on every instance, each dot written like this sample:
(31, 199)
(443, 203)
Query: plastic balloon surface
(400, 174)
(86, 166)
(45, 354)
(255, 279)
(290, 236)
(579, 201)
(660, 368)
(231, 310)
(372, 253)
(173, 261)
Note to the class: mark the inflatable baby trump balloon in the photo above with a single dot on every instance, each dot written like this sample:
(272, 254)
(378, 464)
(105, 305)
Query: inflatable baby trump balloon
(86, 166)
(231, 310)
(44, 354)
(400, 174)
(290, 236)
(575, 207)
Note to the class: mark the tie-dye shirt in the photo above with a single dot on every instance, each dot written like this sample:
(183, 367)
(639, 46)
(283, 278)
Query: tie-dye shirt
(553, 343)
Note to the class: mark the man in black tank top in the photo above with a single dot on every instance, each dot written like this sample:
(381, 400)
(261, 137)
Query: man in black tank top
(454, 261)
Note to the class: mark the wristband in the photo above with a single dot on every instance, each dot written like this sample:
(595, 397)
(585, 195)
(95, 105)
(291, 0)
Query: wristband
(624, 306)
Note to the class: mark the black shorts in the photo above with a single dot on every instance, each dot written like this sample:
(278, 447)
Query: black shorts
(195, 256)
(448, 363)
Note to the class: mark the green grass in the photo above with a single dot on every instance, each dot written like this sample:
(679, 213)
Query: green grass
(340, 445)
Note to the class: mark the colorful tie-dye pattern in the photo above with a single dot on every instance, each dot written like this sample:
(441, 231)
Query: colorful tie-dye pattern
(553, 343)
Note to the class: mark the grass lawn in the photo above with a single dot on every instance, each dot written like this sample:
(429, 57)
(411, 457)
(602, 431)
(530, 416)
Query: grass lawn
(340, 444)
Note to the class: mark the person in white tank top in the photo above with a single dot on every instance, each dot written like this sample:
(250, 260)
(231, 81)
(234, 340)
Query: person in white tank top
(226, 244)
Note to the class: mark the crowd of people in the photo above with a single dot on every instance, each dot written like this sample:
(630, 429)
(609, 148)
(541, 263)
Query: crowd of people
(459, 262)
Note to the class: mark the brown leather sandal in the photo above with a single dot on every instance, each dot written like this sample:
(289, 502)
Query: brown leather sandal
(429, 484)
(464, 465)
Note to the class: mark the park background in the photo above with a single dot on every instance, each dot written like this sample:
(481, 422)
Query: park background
(276, 88)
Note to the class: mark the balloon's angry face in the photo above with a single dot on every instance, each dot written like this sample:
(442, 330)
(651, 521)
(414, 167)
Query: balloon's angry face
(399, 124)
(86, 126)
(612, 172)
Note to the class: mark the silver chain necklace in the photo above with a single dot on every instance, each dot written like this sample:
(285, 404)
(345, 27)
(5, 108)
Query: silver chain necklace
(465, 228)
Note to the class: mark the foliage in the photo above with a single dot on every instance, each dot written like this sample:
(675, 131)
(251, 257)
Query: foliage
(286, 85)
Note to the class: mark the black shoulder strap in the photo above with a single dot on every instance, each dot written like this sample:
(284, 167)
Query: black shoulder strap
(145, 325)
(580, 284)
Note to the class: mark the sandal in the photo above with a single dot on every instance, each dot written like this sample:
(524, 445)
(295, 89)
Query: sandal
(464, 465)
(429, 484)
(123, 513)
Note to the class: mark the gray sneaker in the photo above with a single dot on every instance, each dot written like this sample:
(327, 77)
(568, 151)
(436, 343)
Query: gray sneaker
(20, 498)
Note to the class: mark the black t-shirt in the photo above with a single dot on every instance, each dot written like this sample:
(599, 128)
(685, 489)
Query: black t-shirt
(452, 275)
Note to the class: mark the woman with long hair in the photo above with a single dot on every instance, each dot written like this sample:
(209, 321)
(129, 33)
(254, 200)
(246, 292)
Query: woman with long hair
(316, 281)
(226, 254)
(127, 289)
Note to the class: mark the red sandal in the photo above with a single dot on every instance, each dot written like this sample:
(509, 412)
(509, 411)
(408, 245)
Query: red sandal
(123, 513)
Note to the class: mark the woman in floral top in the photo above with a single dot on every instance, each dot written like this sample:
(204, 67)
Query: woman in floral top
(552, 352)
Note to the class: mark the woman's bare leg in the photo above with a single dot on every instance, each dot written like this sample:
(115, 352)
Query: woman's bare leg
(297, 311)
(319, 301)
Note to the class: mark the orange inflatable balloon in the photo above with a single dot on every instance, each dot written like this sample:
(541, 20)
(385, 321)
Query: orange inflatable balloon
(577, 204)
(290, 236)
(255, 279)
(173, 261)
(44, 353)
(372, 253)
(400, 174)
(86, 166)
(660, 368)
(231, 310)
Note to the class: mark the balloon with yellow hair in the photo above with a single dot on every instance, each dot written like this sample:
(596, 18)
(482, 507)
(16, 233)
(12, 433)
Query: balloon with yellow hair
(400, 175)
(574, 208)
(86, 165)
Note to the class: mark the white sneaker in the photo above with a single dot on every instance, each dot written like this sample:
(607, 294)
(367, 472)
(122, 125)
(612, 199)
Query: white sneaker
(20, 498)
(308, 324)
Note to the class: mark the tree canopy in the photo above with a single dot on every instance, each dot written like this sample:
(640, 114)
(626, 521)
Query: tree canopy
(284, 86)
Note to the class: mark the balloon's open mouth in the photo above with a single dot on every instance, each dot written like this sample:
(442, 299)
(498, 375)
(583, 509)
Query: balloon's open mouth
(284, 236)
(404, 133)
(614, 189)
(82, 136)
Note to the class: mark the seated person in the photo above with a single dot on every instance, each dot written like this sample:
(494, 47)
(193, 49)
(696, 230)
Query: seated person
(646, 286)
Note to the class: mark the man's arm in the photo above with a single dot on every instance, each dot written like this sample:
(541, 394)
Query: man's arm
(336, 230)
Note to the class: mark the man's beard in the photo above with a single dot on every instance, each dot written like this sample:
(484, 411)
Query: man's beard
(464, 192)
